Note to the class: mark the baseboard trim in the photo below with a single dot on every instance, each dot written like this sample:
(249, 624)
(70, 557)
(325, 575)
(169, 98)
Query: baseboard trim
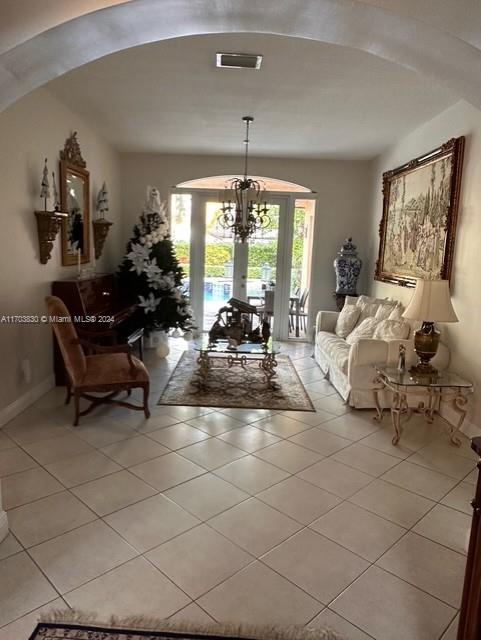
(450, 415)
(20, 404)
(3, 525)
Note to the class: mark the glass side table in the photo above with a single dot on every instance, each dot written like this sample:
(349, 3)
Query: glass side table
(444, 387)
(233, 356)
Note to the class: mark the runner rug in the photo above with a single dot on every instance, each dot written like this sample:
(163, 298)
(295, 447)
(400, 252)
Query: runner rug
(241, 387)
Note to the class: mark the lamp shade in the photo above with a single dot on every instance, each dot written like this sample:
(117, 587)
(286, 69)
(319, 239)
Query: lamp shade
(431, 302)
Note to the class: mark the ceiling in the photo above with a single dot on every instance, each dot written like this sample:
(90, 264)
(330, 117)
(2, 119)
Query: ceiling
(309, 100)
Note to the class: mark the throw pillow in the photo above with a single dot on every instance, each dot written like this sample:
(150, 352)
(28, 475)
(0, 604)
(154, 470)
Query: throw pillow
(346, 320)
(397, 312)
(392, 330)
(363, 330)
(385, 309)
(368, 307)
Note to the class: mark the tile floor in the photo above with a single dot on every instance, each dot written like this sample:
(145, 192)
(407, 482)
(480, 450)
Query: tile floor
(242, 515)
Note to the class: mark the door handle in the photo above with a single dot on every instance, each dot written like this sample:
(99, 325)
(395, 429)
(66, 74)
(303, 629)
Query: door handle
(243, 277)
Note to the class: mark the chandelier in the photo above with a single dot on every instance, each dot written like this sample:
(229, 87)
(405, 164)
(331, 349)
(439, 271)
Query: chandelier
(243, 210)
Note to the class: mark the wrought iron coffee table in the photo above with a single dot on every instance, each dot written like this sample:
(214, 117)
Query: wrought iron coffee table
(220, 350)
(444, 387)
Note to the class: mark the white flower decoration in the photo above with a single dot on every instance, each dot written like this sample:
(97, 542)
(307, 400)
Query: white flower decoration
(138, 256)
(149, 304)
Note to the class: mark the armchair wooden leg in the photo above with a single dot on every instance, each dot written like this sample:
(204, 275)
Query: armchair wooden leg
(77, 408)
(146, 401)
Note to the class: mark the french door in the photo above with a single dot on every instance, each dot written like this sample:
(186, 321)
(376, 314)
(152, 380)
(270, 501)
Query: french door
(221, 268)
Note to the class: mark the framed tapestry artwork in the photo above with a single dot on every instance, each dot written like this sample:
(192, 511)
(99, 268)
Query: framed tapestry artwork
(420, 209)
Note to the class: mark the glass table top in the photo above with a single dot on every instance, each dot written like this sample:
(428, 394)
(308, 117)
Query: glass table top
(407, 379)
(222, 346)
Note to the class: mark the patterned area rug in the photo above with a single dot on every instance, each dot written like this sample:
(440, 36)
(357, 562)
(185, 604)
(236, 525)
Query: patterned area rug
(72, 626)
(236, 386)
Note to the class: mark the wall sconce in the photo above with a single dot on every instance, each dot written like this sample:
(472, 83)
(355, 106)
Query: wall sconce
(101, 226)
(48, 222)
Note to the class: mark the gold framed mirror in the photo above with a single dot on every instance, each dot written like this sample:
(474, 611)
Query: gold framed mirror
(75, 201)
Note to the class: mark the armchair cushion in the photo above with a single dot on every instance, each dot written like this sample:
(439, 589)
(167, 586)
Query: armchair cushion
(113, 368)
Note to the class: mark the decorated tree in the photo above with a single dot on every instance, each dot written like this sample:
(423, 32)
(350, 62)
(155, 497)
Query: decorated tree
(150, 273)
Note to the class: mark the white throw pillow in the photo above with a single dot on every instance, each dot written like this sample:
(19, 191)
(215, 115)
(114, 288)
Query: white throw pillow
(397, 312)
(392, 330)
(346, 320)
(385, 309)
(363, 330)
(368, 307)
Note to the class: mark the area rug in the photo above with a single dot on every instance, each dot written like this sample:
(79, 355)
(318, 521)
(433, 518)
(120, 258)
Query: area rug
(74, 625)
(238, 387)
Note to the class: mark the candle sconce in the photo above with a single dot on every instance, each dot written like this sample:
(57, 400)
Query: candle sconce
(48, 222)
(101, 226)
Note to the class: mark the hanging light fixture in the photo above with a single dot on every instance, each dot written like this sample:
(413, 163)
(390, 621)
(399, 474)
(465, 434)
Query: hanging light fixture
(243, 210)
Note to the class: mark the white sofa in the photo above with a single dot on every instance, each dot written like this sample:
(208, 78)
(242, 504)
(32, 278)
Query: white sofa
(350, 368)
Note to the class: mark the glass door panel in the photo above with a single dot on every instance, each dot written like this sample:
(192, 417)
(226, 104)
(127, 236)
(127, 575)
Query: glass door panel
(180, 231)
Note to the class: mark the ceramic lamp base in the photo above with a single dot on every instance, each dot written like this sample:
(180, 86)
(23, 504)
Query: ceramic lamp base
(426, 341)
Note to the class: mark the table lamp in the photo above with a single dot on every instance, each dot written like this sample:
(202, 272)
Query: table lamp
(431, 302)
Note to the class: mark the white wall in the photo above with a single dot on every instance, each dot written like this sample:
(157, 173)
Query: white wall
(343, 188)
(32, 129)
(463, 338)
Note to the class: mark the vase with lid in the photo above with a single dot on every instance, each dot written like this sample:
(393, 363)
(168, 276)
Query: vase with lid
(347, 266)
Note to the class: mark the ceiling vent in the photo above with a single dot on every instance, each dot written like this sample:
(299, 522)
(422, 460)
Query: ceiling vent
(238, 60)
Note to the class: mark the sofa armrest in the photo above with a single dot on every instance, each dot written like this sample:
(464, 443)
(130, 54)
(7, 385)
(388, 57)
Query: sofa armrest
(326, 321)
(368, 351)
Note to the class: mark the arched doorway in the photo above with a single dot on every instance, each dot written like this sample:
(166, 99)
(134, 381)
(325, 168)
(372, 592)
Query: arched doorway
(276, 260)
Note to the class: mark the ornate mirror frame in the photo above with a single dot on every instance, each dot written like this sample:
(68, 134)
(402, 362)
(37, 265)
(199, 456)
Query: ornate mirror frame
(72, 164)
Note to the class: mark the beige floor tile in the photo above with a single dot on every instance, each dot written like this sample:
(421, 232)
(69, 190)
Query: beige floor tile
(167, 471)
(178, 435)
(247, 415)
(332, 404)
(113, 492)
(352, 425)
(366, 459)
(310, 374)
(443, 461)
(282, 426)
(472, 477)
(382, 441)
(100, 433)
(336, 477)
(212, 453)
(321, 441)
(446, 526)
(22, 588)
(359, 530)
(261, 596)
(191, 613)
(427, 565)
(15, 460)
(36, 427)
(81, 555)
(425, 482)
(254, 526)
(331, 620)
(133, 589)
(27, 486)
(322, 388)
(443, 442)
(215, 423)
(459, 498)
(199, 560)
(388, 608)
(53, 449)
(288, 456)
(393, 503)
(151, 522)
(315, 564)
(308, 417)
(249, 438)
(48, 517)
(182, 413)
(5, 441)
(157, 422)
(451, 632)
(9, 546)
(134, 450)
(82, 468)
(206, 496)
(23, 627)
(298, 499)
(416, 432)
(251, 474)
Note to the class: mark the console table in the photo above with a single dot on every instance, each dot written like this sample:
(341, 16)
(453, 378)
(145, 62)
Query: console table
(443, 387)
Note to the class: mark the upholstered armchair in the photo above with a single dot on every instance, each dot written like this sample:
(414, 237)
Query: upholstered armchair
(109, 370)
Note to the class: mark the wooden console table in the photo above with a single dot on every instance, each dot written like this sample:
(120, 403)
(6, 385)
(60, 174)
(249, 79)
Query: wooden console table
(469, 627)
